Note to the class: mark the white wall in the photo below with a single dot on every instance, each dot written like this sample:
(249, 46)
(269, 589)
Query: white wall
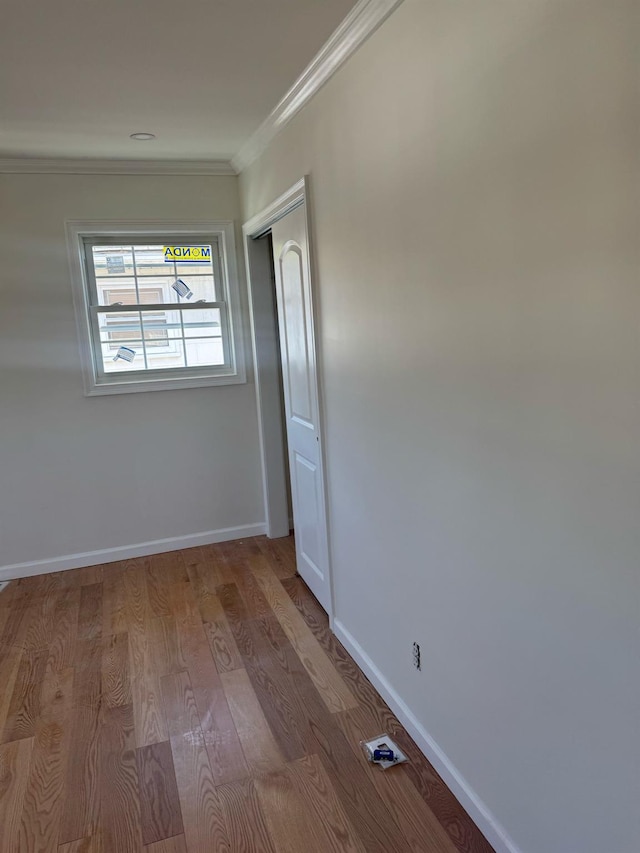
(82, 474)
(475, 197)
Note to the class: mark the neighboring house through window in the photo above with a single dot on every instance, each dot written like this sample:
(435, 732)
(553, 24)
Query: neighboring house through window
(119, 324)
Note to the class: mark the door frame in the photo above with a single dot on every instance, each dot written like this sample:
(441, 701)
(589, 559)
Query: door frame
(267, 359)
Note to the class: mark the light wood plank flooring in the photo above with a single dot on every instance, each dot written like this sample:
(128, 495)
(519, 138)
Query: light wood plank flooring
(197, 701)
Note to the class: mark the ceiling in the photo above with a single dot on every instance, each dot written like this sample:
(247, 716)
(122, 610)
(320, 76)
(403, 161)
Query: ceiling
(78, 76)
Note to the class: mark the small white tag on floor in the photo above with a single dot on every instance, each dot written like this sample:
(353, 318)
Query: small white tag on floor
(383, 751)
(3, 585)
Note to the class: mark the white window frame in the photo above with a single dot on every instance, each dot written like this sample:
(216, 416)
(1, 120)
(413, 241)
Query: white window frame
(96, 382)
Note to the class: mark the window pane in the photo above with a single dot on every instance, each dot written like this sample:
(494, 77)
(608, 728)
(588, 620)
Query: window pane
(116, 328)
(150, 290)
(140, 272)
(111, 291)
(188, 289)
(119, 358)
(159, 327)
(156, 289)
(150, 261)
(200, 286)
(199, 260)
(204, 351)
(111, 261)
(169, 356)
(200, 324)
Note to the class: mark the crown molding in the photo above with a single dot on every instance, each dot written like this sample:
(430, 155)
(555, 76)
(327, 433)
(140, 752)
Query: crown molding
(85, 166)
(365, 17)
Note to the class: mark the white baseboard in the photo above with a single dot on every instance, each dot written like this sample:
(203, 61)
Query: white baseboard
(495, 834)
(128, 552)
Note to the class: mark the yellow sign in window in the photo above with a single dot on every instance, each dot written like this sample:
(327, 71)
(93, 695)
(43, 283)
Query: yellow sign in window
(187, 254)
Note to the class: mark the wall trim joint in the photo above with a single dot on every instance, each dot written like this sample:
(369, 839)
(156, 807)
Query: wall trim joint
(88, 166)
(129, 552)
(363, 20)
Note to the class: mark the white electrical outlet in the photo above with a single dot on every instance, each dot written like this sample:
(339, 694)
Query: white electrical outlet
(383, 742)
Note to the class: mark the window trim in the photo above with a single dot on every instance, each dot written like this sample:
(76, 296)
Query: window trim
(125, 383)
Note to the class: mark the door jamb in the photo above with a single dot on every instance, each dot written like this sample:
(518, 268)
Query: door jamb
(264, 345)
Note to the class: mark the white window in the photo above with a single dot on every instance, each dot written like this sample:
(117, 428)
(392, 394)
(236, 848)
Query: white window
(157, 305)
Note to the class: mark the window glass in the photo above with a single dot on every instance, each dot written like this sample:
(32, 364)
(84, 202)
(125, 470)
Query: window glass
(145, 265)
(157, 274)
(112, 261)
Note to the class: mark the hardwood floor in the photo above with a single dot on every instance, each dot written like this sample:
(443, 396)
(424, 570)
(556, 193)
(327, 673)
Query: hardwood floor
(197, 701)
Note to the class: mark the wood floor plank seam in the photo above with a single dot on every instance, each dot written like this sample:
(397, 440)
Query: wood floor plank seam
(42, 811)
(259, 746)
(119, 786)
(202, 815)
(221, 737)
(81, 810)
(24, 707)
(159, 799)
(15, 763)
(332, 688)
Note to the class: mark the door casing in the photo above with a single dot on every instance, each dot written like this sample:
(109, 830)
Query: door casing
(266, 360)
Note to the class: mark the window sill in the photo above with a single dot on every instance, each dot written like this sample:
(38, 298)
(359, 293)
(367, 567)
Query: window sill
(99, 389)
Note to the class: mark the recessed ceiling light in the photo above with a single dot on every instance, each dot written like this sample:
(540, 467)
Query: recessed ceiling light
(142, 137)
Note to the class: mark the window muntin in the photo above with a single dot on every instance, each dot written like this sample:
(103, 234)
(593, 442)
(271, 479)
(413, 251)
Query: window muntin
(118, 326)
(171, 317)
